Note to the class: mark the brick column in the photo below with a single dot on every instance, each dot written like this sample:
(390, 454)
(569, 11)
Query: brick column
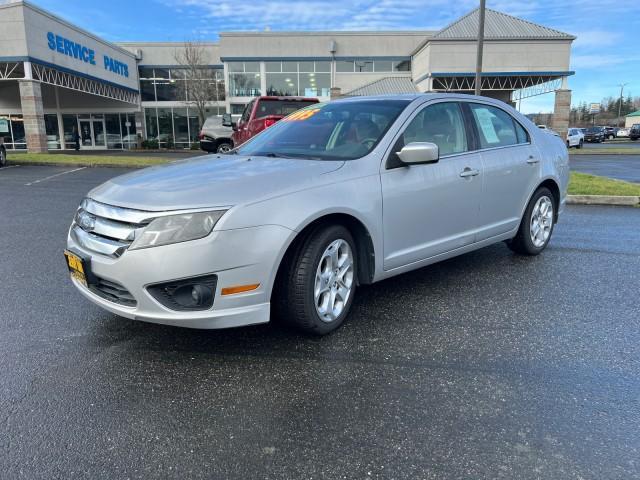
(561, 112)
(33, 116)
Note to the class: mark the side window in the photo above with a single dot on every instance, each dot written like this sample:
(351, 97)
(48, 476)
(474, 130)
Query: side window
(496, 128)
(521, 133)
(441, 124)
(247, 112)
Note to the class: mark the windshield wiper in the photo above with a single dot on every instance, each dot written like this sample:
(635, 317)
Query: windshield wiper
(295, 157)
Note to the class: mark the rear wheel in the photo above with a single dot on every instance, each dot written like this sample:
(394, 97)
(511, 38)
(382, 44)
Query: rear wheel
(319, 282)
(580, 144)
(537, 224)
(3, 156)
(224, 147)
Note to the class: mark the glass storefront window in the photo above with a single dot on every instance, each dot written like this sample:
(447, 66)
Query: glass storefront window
(364, 65)
(244, 84)
(344, 66)
(128, 128)
(145, 72)
(147, 91)
(273, 66)
(114, 137)
(402, 66)
(315, 84)
(165, 91)
(252, 67)
(281, 84)
(306, 66)
(290, 67)
(69, 122)
(235, 66)
(160, 73)
(151, 121)
(383, 66)
(5, 131)
(181, 127)
(323, 66)
(237, 108)
(17, 128)
(51, 129)
(194, 125)
(165, 128)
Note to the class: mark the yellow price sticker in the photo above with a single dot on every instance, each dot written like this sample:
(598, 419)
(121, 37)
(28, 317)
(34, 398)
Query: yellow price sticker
(301, 115)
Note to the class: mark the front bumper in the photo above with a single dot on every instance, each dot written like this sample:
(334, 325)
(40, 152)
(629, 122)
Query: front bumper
(237, 257)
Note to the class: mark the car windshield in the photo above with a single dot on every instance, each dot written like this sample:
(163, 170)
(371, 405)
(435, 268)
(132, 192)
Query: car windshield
(327, 131)
(594, 129)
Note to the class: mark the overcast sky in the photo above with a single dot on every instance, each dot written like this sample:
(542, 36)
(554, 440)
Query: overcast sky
(604, 55)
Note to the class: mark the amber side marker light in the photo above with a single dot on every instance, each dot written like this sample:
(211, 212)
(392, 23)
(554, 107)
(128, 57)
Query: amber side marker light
(239, 289)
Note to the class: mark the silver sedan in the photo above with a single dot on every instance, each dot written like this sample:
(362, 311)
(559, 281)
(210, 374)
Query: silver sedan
(334, 196)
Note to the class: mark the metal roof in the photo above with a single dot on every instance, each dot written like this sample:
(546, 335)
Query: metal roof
(384, 86)
(634, 114)
(497, 25)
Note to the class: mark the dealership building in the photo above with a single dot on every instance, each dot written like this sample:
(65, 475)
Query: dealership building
(58, 80)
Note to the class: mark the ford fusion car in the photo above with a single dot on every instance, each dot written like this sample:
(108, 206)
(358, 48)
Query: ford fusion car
(334, 196)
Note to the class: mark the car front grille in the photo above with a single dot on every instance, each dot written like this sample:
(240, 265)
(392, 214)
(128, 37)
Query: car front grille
(106, 229)
(112, 291)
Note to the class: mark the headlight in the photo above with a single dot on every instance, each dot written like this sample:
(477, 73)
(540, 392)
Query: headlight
(176, 228)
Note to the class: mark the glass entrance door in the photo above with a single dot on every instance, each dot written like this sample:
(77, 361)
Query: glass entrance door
(92, 132)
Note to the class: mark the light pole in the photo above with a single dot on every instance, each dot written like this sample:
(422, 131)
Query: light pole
(478, 84)
(621, 85)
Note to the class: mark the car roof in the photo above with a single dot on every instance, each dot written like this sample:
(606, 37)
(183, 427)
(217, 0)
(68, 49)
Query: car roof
(416, 96)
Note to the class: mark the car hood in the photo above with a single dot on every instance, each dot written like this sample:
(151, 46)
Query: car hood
(209, 181)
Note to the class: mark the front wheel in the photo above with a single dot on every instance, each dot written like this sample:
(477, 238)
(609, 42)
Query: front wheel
(580, 144)
(537, 224)
(319, 282)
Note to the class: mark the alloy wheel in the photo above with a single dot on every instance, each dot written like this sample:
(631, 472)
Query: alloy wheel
(541, 221)
(334, 280)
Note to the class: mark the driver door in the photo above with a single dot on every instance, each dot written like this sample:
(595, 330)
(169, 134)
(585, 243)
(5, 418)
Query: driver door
(431, 209)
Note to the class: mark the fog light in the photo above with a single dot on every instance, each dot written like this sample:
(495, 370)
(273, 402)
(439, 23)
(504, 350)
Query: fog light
(188, 294)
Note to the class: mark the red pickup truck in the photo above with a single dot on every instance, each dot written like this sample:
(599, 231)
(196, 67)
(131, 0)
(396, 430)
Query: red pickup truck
(261, 113)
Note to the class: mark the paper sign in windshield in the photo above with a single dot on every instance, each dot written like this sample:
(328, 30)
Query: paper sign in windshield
(301, 115)
(484, 117)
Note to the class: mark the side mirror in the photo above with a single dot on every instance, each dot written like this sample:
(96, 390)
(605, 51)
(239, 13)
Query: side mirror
(226, 120)
(419, 152)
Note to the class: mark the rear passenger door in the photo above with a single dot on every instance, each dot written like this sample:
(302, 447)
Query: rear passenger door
(511, 168)
(431, 209)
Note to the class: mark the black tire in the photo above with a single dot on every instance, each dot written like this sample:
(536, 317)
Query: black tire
(522, 242)
(294, 301)
(568, 144)
(580, 144)
(3, 156)
(224, 147)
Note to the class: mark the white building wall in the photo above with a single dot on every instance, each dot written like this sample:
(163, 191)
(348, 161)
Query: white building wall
(13, 37)
(164, 53)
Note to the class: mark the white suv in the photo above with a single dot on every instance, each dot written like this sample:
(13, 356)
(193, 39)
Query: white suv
(575, 138)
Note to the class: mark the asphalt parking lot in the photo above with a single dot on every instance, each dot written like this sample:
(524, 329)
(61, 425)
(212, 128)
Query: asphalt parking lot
(485, 366)
(621, 167)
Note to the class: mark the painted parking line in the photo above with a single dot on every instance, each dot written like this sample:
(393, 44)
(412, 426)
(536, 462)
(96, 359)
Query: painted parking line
(10, 166)
(53, 176)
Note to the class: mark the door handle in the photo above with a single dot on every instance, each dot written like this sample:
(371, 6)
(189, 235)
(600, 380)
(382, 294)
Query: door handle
(531, 160)
(468, 172)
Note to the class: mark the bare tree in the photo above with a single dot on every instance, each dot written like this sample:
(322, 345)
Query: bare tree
(202, 84)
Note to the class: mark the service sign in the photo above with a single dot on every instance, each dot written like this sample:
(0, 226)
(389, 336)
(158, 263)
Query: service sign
(85, 54)
(594, 108)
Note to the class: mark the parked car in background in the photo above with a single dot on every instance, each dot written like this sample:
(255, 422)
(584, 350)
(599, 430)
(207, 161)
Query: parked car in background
(583, 130)
(3, 155)
(622, 133)
(634, 132)
(261, 113)
(337, 195)
(215, 137)
(548, 130)
(610, 133)
(575, 138)
(594, 134)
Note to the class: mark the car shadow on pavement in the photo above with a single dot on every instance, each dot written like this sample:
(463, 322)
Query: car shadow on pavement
(443, 292)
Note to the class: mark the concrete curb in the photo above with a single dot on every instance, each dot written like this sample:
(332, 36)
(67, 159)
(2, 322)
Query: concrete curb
(83, 164)
(628, 201)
